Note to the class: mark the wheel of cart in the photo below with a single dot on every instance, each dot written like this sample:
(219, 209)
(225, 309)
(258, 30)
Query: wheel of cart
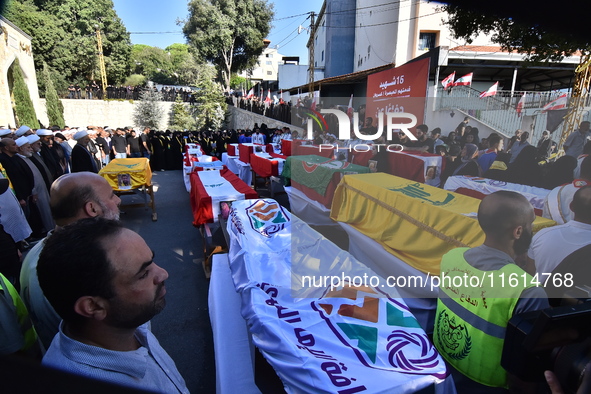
(132, 176)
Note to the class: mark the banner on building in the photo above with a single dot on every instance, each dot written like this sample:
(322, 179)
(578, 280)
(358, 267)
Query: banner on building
(400, 89)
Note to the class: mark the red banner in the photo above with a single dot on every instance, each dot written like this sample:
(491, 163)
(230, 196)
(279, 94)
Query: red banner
(400, 89)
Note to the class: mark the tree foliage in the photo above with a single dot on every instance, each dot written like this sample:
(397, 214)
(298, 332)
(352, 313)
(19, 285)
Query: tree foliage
(210, 107)
(55, 111)
(228, 33)
(180, 116)
(148, 111)
(536, 42)
(24, 110)
(238, 82)
(174, 65)
(135, 80)
(64, 36)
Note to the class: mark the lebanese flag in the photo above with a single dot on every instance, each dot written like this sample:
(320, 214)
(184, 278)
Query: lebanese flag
(466, 80)
(492, 91)
(559, 103)
(281, 101)
(268, 99)
(250, 93)
(209, 188)
(520, 105)
(350, 108)
(449, 81)
(316, 95)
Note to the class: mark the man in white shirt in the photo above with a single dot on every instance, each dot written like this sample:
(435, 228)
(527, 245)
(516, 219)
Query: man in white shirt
(551, 245)
(557, 202)
(102, 280)
(258, 137)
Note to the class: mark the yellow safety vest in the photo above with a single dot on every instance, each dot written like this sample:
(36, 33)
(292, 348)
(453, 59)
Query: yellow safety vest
(18, 332)
(469, 327)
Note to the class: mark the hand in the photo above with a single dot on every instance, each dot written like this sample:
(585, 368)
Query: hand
(556, 388)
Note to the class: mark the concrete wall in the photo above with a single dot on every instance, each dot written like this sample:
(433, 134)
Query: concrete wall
(242, 119)
(82, 113)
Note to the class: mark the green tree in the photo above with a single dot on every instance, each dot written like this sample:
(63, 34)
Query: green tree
(180, 116)
(148, 111)
(536, 42)
(210, 105)
(64, 36)
(152, 62)
(55, 111)
(24, 111)
(228, 33)
(238, 82)
(185, 66)
(135, 80)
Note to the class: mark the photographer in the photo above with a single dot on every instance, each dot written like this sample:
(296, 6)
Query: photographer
(471, 323)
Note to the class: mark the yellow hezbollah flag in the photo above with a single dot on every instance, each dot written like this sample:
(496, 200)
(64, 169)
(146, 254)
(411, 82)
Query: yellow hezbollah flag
(127, 174)
(415, 222)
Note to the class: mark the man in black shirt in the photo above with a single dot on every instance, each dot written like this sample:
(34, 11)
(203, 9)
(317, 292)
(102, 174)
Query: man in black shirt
(119, 145)
(145, 147)
(134, 144)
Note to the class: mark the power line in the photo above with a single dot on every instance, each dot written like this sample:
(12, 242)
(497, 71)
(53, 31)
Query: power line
(157, 32)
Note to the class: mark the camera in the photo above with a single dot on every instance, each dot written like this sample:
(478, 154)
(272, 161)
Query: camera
(556, 338)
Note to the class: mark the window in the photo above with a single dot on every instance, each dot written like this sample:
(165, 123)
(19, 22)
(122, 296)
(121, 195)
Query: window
(427, 41)
(268, 63)
(269, 72)
(322, 56)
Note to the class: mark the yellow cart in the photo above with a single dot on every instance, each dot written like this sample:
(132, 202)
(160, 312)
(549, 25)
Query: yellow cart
(131, 176)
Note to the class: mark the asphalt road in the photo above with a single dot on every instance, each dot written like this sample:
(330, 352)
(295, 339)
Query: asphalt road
(183, 327)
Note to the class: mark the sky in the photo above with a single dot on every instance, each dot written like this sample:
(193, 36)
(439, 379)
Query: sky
(158, 18)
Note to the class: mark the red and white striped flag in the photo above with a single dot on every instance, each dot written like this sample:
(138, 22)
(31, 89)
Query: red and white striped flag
(466, 80)
(350, 108)
(250, 93)
(520, 105)
(559, 103)
(448, 81)
(492, 91)
(314, 98)
(268, 99)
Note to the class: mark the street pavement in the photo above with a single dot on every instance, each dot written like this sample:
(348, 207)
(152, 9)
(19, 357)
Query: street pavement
(183, 327)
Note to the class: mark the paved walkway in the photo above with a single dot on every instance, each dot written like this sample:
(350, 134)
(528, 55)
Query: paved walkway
(183, 327)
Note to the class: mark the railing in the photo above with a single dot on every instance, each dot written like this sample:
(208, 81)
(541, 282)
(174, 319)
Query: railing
(499, 111)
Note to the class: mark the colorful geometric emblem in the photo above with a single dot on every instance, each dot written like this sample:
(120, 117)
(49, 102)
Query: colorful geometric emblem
(381, 331)
(267, 217)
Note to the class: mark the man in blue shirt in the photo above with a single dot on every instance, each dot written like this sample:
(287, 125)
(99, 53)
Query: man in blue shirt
(490, 155)
(102, 280)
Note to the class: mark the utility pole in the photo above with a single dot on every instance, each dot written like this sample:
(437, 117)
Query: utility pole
(578, 98)
(311, 54)
(99, 41)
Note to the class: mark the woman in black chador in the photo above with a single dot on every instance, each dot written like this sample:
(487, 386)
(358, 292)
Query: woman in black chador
(176, 147)
(157, 158)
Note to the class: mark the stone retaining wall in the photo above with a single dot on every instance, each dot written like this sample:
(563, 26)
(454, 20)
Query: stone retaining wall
(115, 113)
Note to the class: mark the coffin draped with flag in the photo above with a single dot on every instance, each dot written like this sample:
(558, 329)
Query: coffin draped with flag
(209, 188)
(348, 339)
